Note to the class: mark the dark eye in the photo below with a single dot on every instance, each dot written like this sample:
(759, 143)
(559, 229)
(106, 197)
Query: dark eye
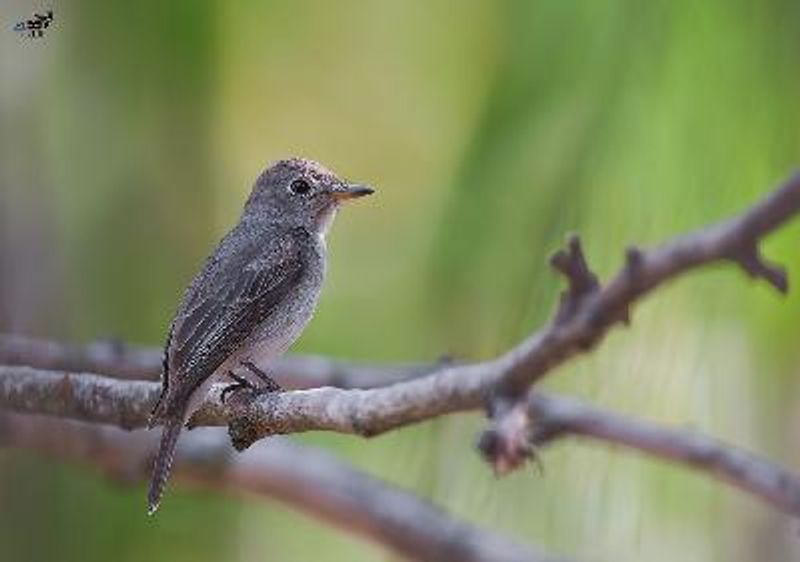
(299, 187)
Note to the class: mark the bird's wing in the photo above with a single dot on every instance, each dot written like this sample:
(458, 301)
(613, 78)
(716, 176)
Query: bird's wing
(233, 294)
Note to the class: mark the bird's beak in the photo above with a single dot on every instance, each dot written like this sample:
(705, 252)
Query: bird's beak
(352, 191)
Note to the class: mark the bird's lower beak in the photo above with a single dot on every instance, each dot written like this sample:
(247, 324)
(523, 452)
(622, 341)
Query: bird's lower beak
(352, 192)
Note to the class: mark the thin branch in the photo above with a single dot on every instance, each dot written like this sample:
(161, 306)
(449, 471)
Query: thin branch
(125, 361)
(538, 419)
(581, 282)
(586, 311)
(308, 480)
(736, 240)
(555, 418)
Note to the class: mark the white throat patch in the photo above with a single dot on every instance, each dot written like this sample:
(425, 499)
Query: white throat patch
(324, 222)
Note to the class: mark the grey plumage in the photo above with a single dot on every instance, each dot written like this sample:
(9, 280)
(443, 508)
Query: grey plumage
(253, 296)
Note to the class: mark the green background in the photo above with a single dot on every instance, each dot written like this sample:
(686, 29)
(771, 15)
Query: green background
(130, 135)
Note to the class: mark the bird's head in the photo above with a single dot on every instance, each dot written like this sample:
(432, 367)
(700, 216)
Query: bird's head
(302, 193)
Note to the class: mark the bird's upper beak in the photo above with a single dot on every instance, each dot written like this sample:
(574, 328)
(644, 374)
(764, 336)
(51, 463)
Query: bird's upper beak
(352, 191)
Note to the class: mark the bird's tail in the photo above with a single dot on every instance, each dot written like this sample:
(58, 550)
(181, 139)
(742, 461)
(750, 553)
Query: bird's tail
(163, 463)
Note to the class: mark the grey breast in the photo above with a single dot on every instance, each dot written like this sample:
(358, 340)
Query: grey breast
(281, 328)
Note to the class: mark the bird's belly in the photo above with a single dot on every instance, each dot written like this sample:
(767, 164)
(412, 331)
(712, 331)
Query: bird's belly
(267, 341)
(282, 328)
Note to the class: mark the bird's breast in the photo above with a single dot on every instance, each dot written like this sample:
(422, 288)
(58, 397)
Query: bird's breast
(286, 323)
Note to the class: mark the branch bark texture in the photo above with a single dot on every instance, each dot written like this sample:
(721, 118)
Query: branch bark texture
(542, 418)
(306, 479)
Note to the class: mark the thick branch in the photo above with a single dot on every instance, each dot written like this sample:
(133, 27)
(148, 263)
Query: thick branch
(543, 418)
(86, 397)
(308, 480)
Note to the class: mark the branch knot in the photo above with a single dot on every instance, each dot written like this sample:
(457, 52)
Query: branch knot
(756, 266)
(506, 444)
(581, 281)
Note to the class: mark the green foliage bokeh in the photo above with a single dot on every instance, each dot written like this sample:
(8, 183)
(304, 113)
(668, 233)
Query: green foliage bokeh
(490, 129)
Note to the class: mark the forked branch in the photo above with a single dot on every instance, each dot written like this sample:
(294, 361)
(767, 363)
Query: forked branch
(539, 419)
(586, 312)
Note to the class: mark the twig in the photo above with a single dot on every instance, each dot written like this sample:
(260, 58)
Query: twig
(308, 480)
(586, 312)
(597, 310)
(538, 419)
(555, 418)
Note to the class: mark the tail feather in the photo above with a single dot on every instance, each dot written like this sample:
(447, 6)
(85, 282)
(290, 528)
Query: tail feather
(163, 462)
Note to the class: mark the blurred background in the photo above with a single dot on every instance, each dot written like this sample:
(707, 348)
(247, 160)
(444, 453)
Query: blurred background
(130, 135)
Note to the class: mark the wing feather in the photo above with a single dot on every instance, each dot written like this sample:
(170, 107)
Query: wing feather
(236, 291)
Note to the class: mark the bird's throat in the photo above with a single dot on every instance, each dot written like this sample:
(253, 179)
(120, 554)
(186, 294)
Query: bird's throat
(324, 221)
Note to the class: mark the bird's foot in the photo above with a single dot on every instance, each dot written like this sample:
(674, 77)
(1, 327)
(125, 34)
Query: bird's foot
(238, 384)
(270, 384)
(241, 383)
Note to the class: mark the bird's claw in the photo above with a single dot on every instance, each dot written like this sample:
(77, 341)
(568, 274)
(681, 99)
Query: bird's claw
(239, 384)
(270, 384)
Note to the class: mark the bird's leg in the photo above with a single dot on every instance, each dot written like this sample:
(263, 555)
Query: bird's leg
(270, 384)
(238, 384)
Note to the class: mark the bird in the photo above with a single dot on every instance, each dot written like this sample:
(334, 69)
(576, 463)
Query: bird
(252, 298)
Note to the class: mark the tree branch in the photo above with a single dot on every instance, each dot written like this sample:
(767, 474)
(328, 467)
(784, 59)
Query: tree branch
(543, 419)
(585, 315)
(311, 481)
(540, 418)
(597, 309)
(586, 312)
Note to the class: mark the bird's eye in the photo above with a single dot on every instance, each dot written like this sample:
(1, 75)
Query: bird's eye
(299, 187)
